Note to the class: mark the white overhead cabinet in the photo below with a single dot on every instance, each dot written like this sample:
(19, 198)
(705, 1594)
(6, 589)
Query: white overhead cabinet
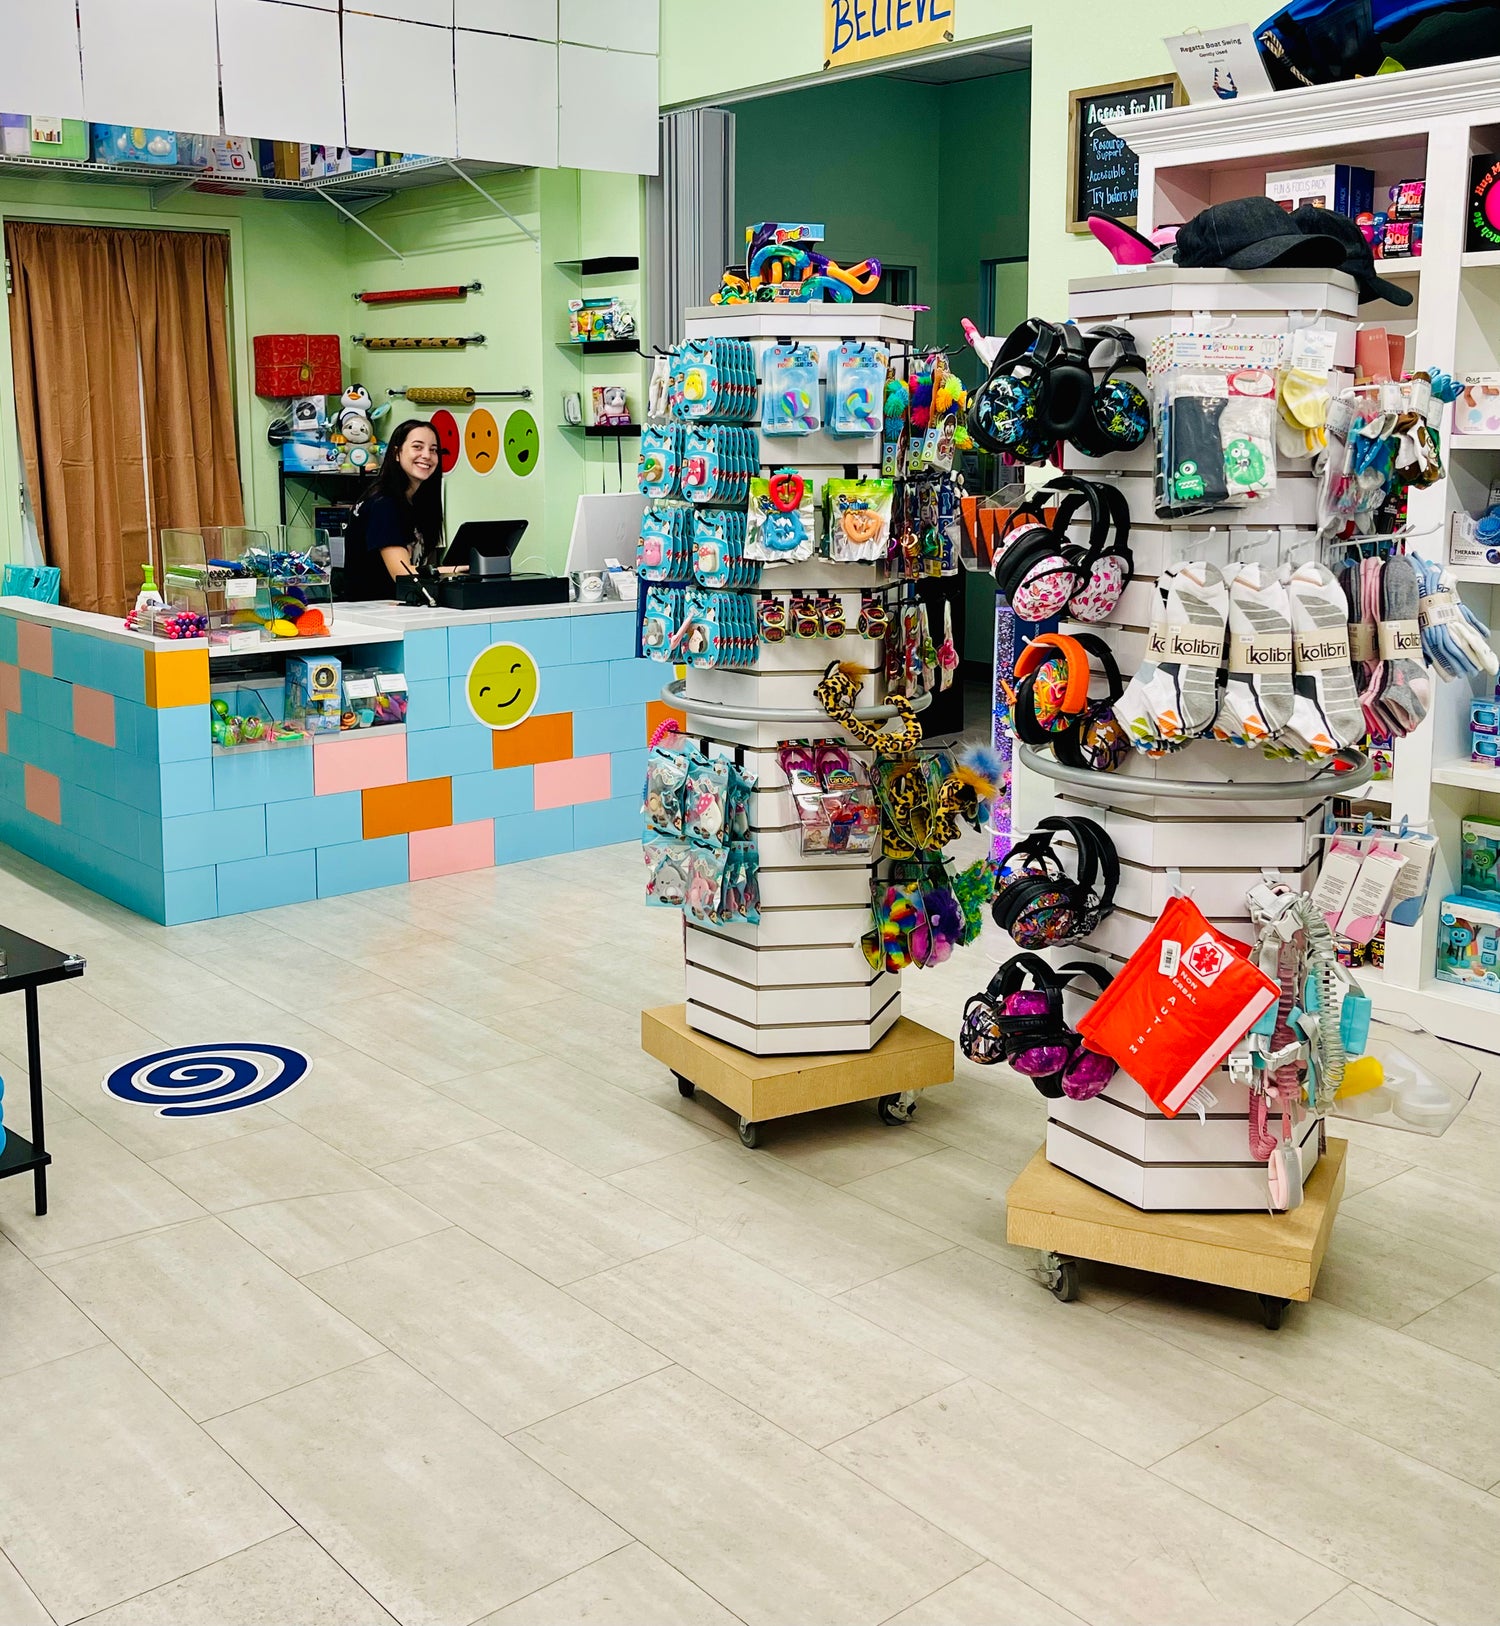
(530, 19)
(257, 39)
(611, 25)
(39, 63)
(398, 86)
(507, 98)
(160, 71)
(608, 102)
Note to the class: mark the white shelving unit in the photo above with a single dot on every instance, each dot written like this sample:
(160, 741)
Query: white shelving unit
(1427, 123)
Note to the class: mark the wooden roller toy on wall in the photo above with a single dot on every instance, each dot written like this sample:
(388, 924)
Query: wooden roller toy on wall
(415, 296)
(454, 343)
(460, 395)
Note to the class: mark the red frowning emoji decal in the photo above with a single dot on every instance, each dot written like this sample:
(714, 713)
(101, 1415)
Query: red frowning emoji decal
(450, 442)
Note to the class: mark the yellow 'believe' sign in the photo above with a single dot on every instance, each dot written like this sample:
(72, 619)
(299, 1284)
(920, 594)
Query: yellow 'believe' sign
(857, 30)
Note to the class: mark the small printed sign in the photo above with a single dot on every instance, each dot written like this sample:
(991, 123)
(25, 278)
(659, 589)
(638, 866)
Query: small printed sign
(863, 30)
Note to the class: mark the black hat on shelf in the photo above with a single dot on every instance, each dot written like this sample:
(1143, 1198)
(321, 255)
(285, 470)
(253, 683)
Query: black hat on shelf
(1358, 259)
(1246, 234)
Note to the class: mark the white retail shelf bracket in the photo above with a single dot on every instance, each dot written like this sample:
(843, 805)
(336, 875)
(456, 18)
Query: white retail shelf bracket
(675, 696)
(495, 203)
(1325, 782)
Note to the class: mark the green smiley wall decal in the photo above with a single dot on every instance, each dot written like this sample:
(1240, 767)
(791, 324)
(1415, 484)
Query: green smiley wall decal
(522, 443)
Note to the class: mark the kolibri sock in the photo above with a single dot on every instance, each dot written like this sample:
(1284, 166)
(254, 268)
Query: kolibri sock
(1197, 613)
(1325, 712)
(1258, 696)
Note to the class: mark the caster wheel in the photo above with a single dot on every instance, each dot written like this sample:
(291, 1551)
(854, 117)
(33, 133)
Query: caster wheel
(1271, 1311)
(891, 1111)
(1065, 1281)
(749, 1134)
(686, 1087)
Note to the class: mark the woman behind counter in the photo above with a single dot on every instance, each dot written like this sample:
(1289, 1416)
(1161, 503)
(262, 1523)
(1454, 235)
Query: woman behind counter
(398, 528)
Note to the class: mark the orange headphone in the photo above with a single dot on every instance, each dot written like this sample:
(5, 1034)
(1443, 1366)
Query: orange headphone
(1061, 713)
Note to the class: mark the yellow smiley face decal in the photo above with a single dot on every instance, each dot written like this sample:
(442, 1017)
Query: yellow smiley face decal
(482, 440)
(503, 685)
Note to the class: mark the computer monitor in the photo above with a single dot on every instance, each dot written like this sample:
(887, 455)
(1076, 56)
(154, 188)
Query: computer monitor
(485, 546)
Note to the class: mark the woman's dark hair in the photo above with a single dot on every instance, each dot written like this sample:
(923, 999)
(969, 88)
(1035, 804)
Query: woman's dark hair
(424, 512)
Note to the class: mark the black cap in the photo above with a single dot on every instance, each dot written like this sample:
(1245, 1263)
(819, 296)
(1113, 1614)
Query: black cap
(1359, 257)
(1245, 234)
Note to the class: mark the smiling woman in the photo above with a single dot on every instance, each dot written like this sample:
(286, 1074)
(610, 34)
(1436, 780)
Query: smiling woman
(399, 528)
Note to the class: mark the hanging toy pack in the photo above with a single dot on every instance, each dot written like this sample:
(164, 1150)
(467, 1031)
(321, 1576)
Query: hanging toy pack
(856, 388)
(859, 519)
(713, 380)
(782, 525)
(659, 466)
(719, 549)
(663, 552)
(697, 844)
(791, 401)
(717, 463)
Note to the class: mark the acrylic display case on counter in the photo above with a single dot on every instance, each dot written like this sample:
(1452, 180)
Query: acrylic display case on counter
(246, 716)
(298, 575)
(208, 570)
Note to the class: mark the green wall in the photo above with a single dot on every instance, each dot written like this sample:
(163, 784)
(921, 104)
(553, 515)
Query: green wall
(295, 264)
(714, 48)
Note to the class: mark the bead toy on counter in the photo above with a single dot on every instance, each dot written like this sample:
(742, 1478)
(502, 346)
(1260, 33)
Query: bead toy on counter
(182, 624)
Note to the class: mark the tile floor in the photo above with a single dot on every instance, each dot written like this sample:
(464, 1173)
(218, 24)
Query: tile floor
(482, 1322)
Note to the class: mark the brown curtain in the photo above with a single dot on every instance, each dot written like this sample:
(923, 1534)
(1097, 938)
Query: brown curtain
(101, 322)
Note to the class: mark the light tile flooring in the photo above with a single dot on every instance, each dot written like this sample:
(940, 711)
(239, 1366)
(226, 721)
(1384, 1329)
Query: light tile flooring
(482, 1322)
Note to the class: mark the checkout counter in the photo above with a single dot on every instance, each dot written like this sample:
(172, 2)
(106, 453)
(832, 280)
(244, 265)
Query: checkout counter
(110, 773)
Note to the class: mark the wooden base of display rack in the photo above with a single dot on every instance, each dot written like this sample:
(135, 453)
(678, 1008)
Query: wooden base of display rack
(908, 1059)
(1274, 1255)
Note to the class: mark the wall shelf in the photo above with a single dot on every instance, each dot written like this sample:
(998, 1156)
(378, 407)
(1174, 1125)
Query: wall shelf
(603, 431)
(1481, 259)
(601, 347)
(1484, 574)
(1460, 771)
(1474, 443)
(600, 265)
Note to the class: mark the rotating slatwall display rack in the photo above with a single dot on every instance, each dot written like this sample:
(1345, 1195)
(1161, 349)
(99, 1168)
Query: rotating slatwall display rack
(1208, 844)
(798, 983)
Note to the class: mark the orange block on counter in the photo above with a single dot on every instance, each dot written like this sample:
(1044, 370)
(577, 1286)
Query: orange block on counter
(176, 677)
(538, 739)
(397, 810)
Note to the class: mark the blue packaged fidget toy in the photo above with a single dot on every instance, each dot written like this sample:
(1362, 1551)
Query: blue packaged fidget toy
(856, 388)
(660, 619)
(712, 380)
(659, 466)
(719, 549)
(791, 401)
(664, 552)
(717, 463)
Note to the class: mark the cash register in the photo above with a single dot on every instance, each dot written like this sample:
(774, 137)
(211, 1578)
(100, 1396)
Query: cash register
(478, 572)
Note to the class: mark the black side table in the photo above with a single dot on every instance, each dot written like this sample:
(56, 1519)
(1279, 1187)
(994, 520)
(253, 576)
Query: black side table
(27, 965)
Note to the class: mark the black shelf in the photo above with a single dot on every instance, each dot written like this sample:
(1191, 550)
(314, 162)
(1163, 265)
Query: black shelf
(601, 265)
(19, 1156)
(601, 347)
(604, 431)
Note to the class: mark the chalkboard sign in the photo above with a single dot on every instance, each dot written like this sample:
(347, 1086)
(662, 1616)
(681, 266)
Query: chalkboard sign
(1103, 173)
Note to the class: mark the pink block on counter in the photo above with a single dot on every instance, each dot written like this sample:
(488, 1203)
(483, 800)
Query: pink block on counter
(94, 715)
(451, 851)
(357, 761)
(10, 686)
(43, 794)
(4, 733)
(34, 647)
(565, 784)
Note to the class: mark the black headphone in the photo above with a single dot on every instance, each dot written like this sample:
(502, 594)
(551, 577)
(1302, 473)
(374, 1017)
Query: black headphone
(1096, 571)
(1119, 414)
(1075, 704)
(1039, 904)
(1038, 391)
(1038, 1043)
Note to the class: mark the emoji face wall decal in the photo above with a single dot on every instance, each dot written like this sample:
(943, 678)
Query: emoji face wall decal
(523, 445)
(503, 685)
(450, 442)
(482, 441)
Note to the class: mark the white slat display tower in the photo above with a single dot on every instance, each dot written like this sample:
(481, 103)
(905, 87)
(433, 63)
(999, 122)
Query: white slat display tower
(1423, 124)
(1210, 846)
(798, 983)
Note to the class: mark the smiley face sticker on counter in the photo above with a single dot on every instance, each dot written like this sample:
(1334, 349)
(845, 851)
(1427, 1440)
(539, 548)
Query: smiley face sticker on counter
(503, 685)
(522, 443)
(482, 441)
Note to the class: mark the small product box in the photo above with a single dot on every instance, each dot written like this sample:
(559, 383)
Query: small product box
(314, 691)
(1345, 188)
(1480, 843)
(390, 698)
(1477, 410)
(1468, 944)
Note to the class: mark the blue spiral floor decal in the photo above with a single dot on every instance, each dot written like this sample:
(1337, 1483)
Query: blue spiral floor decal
(197, 1080)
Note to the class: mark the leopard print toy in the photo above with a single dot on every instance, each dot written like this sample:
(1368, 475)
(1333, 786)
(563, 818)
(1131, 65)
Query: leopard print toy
(837, 693)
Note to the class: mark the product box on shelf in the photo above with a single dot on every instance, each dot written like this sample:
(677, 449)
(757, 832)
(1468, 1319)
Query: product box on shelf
(1479, 876)
(1468, 943)
(232, 157)
(32, 135)
(314, 689)
(166, 149)
(1346, 188)
(1477, 410)
(1482, 232)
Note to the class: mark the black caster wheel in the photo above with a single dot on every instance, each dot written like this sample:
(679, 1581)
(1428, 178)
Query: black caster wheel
(891, 1111)
(749, 1134)
(1272, 1309)
(686, 1087)
(1065, 1281)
